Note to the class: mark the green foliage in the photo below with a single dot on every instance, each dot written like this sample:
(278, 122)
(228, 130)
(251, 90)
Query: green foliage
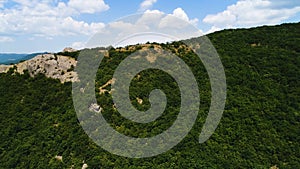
(70, 54)
(259, 127)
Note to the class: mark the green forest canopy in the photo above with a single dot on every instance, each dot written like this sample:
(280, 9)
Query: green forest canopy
(259, 127)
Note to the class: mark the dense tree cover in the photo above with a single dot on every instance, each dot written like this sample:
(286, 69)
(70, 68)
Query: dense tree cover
(259, 127)
(70, 54)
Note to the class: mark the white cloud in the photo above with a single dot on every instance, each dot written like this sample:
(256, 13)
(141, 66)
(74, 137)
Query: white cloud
(150, 16)
(223, 18)
(6, 39)
(213, 29)
(88, 6)
(78, 45)
(2, 3)
(55, 21)
(25, 2)
(157, 20)
(248, 13)
(171, 19)
(42, 18)
(178, 12)
(152, 26)
(147, 4)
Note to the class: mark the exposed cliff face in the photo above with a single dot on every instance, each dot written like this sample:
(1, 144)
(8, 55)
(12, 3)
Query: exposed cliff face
(53, 66)
(5, 68)
(69, 49)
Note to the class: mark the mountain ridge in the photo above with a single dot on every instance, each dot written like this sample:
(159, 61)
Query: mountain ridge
(14, 58)
(259, 127)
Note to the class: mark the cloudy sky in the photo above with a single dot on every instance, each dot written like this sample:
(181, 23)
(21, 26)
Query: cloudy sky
(50, 25)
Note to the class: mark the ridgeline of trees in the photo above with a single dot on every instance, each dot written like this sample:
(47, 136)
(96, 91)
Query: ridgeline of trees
(259, 127)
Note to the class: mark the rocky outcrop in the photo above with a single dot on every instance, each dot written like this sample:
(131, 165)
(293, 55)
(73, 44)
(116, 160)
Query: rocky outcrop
(69, 49)
(5, 68)
(51, 65)
(59, 158)
(102, 88)
(84, 166)
(94, 107)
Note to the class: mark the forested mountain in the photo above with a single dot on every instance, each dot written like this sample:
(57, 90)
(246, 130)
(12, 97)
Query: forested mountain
(259, 127)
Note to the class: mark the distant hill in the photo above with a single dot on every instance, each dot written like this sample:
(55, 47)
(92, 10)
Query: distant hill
(13, 58)
(259, 127)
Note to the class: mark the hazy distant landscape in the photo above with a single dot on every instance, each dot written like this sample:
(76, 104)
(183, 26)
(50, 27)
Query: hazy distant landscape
(13, 58)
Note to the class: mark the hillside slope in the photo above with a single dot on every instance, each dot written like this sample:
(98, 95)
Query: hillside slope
(12, 58)
(51, 65)
(259, 127)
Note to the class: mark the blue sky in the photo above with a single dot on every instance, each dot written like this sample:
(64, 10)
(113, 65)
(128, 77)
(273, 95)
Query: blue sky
(50, 25)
